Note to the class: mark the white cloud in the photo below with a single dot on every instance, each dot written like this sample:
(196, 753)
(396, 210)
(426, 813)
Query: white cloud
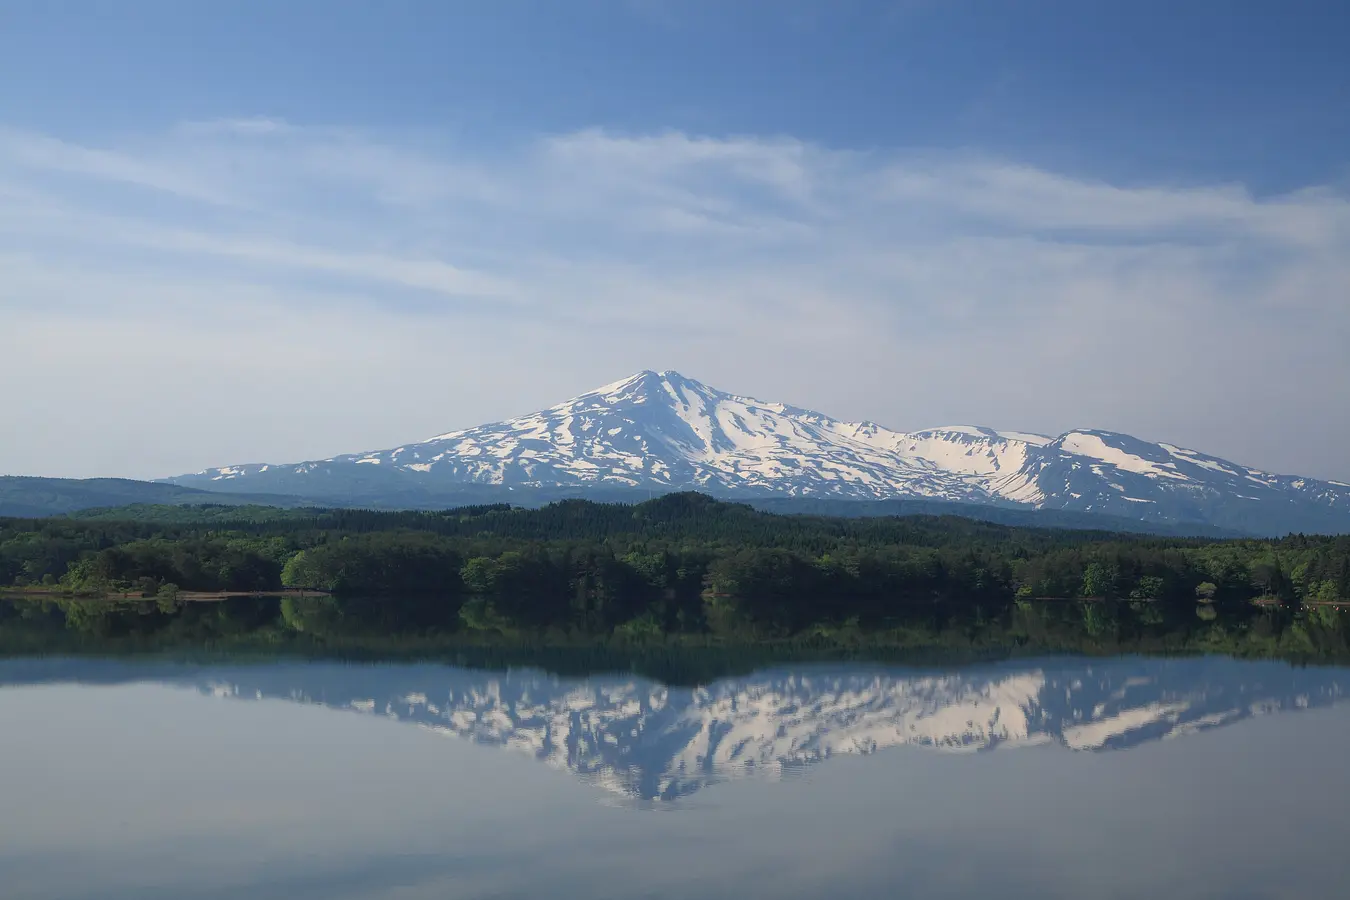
(1024, 197)
(34, 153)
(254, 289)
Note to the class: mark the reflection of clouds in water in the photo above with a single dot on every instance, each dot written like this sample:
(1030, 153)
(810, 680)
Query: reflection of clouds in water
(648, 741)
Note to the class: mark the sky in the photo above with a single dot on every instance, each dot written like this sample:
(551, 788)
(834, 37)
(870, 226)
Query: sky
(270, 232)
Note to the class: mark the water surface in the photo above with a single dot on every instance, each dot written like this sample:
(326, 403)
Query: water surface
(1051, 778)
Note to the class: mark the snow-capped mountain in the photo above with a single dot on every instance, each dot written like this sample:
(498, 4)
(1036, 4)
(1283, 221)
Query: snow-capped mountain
(649, 741)
(662, 431)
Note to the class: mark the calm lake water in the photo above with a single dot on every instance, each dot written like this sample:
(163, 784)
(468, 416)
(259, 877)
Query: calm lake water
(1205, 778)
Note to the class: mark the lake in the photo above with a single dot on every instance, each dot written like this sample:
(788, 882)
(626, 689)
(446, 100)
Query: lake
(1057, 777)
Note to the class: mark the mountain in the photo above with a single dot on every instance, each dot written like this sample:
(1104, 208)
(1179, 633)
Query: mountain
(26, 497)
(649, 741)
(661, 432)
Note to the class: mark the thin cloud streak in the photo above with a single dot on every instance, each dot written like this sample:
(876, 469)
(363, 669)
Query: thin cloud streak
(446, 288)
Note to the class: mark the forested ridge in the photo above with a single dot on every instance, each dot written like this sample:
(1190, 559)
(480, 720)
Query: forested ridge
(681, 564)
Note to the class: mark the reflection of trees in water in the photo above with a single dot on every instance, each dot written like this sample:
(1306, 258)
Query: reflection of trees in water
(375, 627)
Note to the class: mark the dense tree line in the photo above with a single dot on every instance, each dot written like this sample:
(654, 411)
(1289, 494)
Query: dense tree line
(683, 563)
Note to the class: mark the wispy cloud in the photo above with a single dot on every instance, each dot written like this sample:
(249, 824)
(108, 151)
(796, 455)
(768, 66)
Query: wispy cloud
(447, 286)
(39, 154)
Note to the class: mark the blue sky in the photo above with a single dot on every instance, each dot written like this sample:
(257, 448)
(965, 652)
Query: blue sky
(274, 231)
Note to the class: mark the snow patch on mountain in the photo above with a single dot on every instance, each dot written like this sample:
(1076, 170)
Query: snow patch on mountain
(1090, 445)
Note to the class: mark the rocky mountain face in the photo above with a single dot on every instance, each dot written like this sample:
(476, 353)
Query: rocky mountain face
(659, 432)
(654, 742)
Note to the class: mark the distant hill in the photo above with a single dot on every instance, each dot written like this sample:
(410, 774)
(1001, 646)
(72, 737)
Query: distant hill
(120, 498)
(1000, 515)
(27, 497)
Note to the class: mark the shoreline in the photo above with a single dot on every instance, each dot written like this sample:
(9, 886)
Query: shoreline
(48, 593)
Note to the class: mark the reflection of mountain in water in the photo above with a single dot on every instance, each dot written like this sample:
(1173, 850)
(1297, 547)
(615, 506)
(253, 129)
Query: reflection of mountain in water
(646, 740)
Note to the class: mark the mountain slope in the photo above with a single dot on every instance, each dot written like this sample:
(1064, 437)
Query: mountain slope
(662, 431)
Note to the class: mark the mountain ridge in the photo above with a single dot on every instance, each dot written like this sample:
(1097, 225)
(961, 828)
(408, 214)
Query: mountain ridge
(662, 431)
(27, 496)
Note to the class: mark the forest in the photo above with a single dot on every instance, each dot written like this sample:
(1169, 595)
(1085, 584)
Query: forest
(680, 565)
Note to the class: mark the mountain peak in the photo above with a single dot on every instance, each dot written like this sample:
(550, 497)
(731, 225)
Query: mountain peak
(646, 381)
